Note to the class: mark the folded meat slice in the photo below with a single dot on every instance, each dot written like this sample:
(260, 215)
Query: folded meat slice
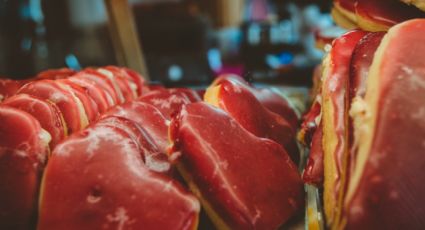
(47, 113)
(121, 84)
(54, 74)
(386, 188)
(247, 110)
(377, 15)
(155, 126)
(97, 179)
(273, 101)
(314, 169)
(23, 153)
(310, 135)
(136, 78)
(243, 181)
(100, 96)
(90, 107)
(170, 101)
(69, 104)
(361, 61)
(342, 20)
(310, 122)
(335, 119)
(346, 8)
(103, 82)
(9, 87)
(135, 81)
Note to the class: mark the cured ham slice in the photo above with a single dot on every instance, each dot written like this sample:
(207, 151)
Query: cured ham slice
(215, 155)
(360, 64)
(170, 101)
(69, 104)
(386, 188)
(155, 126)
(342, 21)
(54, 74)
(121, 83)
(47, 113)
(23, 153)
(243, 106)
(90, 107)
(9, 87)
(102, 99)
(134, 80)
(97, 179)
(335, 118)
(314, 170)
(267, 97)
(104, 83)
(375, 15)
(347, 9)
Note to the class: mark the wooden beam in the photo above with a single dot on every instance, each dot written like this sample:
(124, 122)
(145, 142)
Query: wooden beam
(229, 12)
(128, 50)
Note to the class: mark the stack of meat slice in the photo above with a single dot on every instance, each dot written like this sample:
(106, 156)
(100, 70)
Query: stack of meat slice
(101, 176)
(366, 130)
(96, 149)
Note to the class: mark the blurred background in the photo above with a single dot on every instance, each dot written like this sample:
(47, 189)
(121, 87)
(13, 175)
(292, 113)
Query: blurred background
(184, 42)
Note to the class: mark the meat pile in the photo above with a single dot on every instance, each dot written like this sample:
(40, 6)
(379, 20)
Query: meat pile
(366, 129)
(102, 149)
